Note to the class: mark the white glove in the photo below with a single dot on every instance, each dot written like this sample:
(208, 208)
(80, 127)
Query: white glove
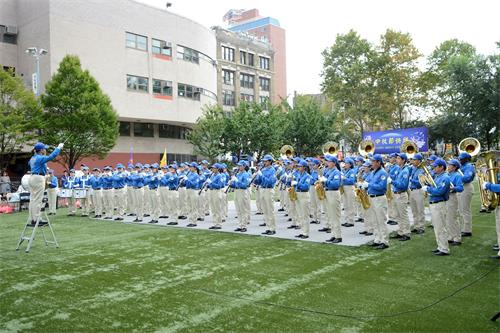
(60, 146)
(209, 181)
(259, 173)
(425, 188)
(342, 177)
(322, 179)
(294, 183)
(389, 180)
(234, 179)
(485, 185)
(364, 184)
(184, 177)
(288, 177)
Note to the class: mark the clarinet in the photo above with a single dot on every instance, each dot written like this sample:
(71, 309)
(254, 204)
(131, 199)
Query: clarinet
(205, 184)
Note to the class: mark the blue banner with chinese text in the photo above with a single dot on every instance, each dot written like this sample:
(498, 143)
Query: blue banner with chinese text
(387, 142)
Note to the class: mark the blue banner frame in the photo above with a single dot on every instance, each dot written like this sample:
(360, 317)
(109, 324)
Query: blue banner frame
(387, 142)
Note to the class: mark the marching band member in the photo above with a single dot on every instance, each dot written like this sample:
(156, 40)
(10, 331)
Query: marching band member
(129, 188)
(181, 171)
(258, 200)
(38, 166)
(315, 201)
(376, 188)
(83, 182)
(456, 187)
(282, 186)
(226, 177)
(267, 177)
(96, 183)
(193, 185)
(119, 191)
(359, 160)
(332, 179)
(348, 181)
(280, 172)
(52, 192)
(172, 181)
(392, 169)
(369, 220)
(437, 202)
(399, 185)
(495, 188)
(215, 184)
(153, 180)
(292, 205)
(465, 198)
(137, 181)
(146, 170)
(71, 183)
(241, 182)
(205, 173)
(163, 192)
(302, 186)
(107, 193)
(417, 195)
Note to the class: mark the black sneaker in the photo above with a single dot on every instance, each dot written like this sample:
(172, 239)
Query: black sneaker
(172, 223)
(243, 230)
(262, 225)
(291, 227)
(146, 215)
(281, 210)
(466, 234)
(153, 221)
(337, 240)
(348, 225)
(237, 229)
(182, 217)
(404, 238)
(119, 219)
(214, 227)
(137, 220)
(330, 240)
(190, 225)
(200, 219)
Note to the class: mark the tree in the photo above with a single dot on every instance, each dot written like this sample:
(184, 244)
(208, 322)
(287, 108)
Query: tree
(20, 117)
(79, 113)
(207, 133)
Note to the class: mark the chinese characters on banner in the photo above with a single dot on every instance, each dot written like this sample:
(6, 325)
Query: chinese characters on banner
(387, 142)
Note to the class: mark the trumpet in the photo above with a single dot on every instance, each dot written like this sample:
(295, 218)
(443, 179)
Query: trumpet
(366, 147)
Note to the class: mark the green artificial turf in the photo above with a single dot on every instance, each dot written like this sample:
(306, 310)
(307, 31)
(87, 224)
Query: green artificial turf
(114, 277)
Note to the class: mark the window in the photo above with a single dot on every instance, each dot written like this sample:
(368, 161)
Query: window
(138, 83)
(247, 97)
(161, 47)
(9, 38)
(228, 77)
(10, 70)
(173, 132)
(162, 87)
(136, 41)
(264, 101)
(243, 58)
(185, 53)
(250, 59)
(228, 97)
(264, 83)
(124, 128)
(228, 53)
(187, 91)
(179, 158)
(144, 130)
(246, 80)
(264, 63)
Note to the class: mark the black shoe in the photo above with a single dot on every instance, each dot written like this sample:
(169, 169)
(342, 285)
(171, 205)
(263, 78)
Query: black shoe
(281, 210)
(137, 220)
(304, 237)
(262, 225)
(337, 240)
(396, 236)
(259, 213)
(215, 227)
(190, 225)
(243, 230)
(200, 219)
(453, 243)
(325, 229)
(375, 244)
(172, 223)
(286, 214)
(237, 229)
(182, 217)
(382, 246)
(83, 215)
(330, 240)
(359, 219)
(296, 227)
(404, 238)
(420, 231)
(299, 236)
(363, 232)
(289, 219)
(131, 214)
(223, 220)
(71, 214)
(41, 223)
(495, 257)
(348, 225)
(466, 234)
(344, 224)
(108, 218)
(146, 215)
(435, 251)
(439, 253)
(391, 222)
(118, 218)
(206, 214)
(291, 227)
(272, 233)
(163, 217)
(315, 222)
(153, 221)
(369, 234)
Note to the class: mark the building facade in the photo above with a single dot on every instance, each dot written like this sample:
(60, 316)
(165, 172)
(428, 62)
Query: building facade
(245, 69)
(265, 28)
(158, 68)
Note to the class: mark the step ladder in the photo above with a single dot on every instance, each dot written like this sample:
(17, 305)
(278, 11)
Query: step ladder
(24, 234)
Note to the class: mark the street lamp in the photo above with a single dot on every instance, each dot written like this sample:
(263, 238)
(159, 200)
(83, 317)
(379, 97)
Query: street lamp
(37, 53)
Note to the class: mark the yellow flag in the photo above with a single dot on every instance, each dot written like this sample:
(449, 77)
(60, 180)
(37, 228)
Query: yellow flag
(163, 161)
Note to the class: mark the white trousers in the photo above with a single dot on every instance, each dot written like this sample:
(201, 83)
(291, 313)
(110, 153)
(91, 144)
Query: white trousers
(182, 201)
(258, 200)
(302, 204)
(380, 230)
(497, 217)
(52, 195)
(333, 212)
(401, 205)
(163, 192)
(153, 203)
(417, 208)
(282, 199)
(215, 206)
(452, 221)
(315, 209)
(120, 197)
(173, 204)
(193, 205)
(108, 202)
(464, 205)
(37, 187)
(268, 208)
(138, 203)
(438, 216)
(242, 202)
(97, 200)
(391, 210)
(349, 199)
(130, 199)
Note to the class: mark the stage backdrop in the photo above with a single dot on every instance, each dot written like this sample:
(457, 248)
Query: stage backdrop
(387, 142)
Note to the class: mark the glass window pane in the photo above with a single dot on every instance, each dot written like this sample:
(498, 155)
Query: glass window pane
(124, 128)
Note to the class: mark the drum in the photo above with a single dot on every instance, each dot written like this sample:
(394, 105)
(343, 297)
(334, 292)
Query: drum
(66, 193)
(80, 193)
(25, 182)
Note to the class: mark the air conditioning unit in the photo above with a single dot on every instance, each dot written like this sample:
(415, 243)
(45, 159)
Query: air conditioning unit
(11, 30)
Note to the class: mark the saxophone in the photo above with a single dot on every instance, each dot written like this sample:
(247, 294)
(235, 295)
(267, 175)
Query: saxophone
(320, 189)
(361, 194)
(292, 194)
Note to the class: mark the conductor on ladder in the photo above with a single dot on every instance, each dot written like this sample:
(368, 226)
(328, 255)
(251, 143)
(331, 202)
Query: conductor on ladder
(38, 165)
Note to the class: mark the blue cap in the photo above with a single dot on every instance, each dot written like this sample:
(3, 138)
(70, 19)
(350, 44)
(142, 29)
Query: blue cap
(360, 159)
(287, 162)
(85, 167)
(315, 161)
(377, 157)
(393, 155)
(216, 166)
(367, 163)
(182, 165)
(146, 166)
(173, 166)
(96, 169)
(120, 166)
(223, 165)
(165, 167)
(454, 162)
(439, 162)
(72, 170)
(204, 162)
(418, 156)
(331, 158)
(402, 155)
(138, 165)
(267, 158)
(303, 163)
(242, 163)
(464, 156)
(349, 160)
(50, 171)
(193, 164)
(40, 146)
(432, 158)
(308, 159)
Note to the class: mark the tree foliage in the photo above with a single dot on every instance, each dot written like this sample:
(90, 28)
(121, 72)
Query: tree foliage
(79, 113)
(20, 117)
(207, 133)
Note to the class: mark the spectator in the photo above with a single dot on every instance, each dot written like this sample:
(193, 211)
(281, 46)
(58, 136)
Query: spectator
(5, 185)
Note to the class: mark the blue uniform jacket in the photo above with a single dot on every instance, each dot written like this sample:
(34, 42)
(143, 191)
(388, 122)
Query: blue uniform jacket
(442, 189)
(456, 180)
(493, 187)
(393, 171)
(70, 182)
(243, 180)
(181, 182)
(170, 180)
(350, 177)
(378, 182)
(193, 181)
(469, 172)
(136, 179)
(95, 182)
(333, 179)
(314, 176)
(119, 180)
(83, 181)
(414, 173)
(303, 182)
(107, 181)
(53, 181)
(216, 182)
(400, 183)
(38, 163)
(268, 178)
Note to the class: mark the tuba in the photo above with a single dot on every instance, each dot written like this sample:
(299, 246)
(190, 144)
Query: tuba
(331, 148)
(488, 172)
(470, 146)
(410, 148)
(366, 147)
(287, 151)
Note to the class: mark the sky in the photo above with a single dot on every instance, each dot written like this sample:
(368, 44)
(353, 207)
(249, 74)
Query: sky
(311, 26)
